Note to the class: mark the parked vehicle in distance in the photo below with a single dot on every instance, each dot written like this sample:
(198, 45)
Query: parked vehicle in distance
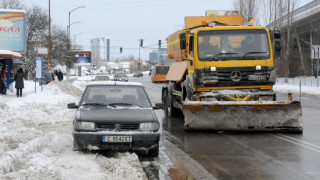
(116, 116)
(138, 74)
(120, 77)
(159, 73)
(102, 77)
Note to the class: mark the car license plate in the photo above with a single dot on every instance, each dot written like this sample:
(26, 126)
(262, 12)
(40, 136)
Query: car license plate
(257, 77)
(117, 139)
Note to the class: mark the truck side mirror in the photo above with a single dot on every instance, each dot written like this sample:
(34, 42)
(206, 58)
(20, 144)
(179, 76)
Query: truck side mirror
(183, 41)
(277, 48)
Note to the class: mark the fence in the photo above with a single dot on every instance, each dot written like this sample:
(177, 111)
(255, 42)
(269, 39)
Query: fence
(305, 81)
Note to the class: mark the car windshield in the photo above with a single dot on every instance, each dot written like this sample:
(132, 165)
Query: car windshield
(102, 78)
(122, 76)
(233, 45)
(115, 96)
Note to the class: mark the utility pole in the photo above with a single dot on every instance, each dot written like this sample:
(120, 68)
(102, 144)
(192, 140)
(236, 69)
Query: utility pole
(49, 40)
(139, 55)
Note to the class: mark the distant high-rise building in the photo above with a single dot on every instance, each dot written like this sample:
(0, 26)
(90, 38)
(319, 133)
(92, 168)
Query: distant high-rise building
(108, 50)
(100, 49)
(153, 56)
(160, 59)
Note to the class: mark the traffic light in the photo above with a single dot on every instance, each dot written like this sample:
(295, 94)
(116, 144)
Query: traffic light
(159, 43)
(120, 49)
(141, 42)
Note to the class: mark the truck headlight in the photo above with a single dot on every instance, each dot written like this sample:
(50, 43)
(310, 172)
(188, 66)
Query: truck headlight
(87, 126)
(258, 67)
(213, 68)
(153, 126)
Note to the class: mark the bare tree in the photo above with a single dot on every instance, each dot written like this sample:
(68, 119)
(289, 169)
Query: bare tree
(11, 4)
(59, 47)
(37, 37)
(287, 33)
(37, 25)
(247, 8)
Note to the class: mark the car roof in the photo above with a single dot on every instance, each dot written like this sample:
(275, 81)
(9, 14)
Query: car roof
(117, 83)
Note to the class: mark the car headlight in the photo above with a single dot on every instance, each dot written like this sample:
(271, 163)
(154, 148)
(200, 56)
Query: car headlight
(153, 126)
(87, 126)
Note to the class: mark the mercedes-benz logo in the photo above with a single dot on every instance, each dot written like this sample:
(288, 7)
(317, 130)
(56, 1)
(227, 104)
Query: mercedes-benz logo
(235, 76)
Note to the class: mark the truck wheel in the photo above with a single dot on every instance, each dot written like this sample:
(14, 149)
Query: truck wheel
(167, 104)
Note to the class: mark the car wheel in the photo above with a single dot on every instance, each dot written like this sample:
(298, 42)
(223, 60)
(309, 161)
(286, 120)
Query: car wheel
(154, 152)
(77, 147)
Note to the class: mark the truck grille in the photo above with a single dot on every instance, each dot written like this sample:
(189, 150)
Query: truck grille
(222, 77)
(118, 126)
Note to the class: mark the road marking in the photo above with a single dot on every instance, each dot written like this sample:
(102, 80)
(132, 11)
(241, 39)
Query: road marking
(304, 142)
(298, 142)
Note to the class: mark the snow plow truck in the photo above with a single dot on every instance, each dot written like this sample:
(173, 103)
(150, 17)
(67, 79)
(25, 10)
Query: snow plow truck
(222, 77)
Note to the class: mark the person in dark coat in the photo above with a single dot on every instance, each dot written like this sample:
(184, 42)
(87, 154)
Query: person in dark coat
(48, 76)
(60, 75)
(19, 81)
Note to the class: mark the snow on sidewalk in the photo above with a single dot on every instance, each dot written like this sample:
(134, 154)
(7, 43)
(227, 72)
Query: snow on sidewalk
(36, 139)
(308, 90)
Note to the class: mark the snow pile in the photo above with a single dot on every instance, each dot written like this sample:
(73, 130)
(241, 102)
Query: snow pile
(36, 139)
(296, 89)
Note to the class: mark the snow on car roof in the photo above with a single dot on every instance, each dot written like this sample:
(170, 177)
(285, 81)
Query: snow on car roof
(116, 83)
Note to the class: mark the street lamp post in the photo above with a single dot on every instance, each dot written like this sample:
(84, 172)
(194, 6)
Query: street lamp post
(69, 20)
(74, 39)
(69, 36)
(69, 32)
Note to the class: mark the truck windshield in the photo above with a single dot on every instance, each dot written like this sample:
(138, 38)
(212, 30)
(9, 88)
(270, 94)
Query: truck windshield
(242, 44)
(162, 70)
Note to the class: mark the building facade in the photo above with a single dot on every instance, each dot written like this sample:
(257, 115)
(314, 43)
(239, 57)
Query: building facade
(160, 59)
(100, 49)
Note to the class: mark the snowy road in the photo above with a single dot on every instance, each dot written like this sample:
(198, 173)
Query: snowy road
(251, 155)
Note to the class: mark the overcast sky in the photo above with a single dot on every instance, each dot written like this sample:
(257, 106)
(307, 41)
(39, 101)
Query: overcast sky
(126, 21)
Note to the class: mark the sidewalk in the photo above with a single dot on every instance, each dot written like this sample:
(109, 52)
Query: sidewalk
(309, 85)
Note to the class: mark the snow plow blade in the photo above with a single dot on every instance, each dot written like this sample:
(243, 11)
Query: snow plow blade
(243, 116)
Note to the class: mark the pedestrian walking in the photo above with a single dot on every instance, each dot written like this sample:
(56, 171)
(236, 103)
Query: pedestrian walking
(19, 82)
(60, 75)
(48, 76)
(3, 80)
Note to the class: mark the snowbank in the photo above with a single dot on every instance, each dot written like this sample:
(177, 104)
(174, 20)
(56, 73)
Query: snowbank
(36, 139)
(296, 89)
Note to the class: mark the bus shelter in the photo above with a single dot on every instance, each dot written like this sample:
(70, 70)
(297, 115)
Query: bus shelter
(10, 62)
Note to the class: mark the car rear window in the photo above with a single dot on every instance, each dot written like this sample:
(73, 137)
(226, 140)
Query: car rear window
(106, 94)
(105, 78)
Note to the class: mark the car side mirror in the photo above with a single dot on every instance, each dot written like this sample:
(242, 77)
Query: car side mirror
(72, 106)
(158, 106)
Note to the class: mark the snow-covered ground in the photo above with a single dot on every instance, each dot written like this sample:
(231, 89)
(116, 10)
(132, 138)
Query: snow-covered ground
(309, 85)
(36, 140)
